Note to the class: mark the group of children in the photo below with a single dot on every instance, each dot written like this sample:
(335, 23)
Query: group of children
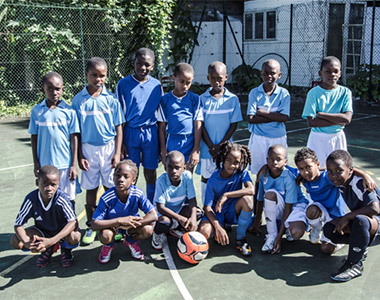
(109, 136)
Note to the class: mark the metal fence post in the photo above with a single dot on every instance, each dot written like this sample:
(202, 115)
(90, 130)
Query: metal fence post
(82, 44)
(370, 96)
(290, 47)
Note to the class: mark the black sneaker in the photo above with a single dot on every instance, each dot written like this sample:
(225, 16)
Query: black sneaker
(243, 247)
(348, 271)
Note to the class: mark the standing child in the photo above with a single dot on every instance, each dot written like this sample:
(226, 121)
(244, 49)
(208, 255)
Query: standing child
(118, 212)
(139, 95)
(101, 136)
(55, 221)
(180, 110)
(174, 199)
(268, 110)
(54, 127)
(328, 109)
(360, 227)
(226, 200)
(221, 114)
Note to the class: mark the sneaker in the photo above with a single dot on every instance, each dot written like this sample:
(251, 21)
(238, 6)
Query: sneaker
(88, 237)
(268, 245)
(67, 258)
(105, 254)
(348, 271)
(289, 237)
(44, 258)
(157, 241)
(243, 247)
(365, 254)
(314, 236)
(177, 232)
(118, 237)
(135, 250)
(338, 247)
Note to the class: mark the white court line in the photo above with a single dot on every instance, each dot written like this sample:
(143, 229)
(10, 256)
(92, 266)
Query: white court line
(15, 265)
(16, 167)
(173, 270)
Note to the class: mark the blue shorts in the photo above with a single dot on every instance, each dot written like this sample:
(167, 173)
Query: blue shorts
(183, 143)
(228, 214)
(142, 140)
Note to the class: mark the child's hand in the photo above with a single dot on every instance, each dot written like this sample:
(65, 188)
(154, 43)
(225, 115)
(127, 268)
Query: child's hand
(115, 160)
(255, 229)
(191, 224)
(220, 203)
(183, 221)
(277, 245)
(164, 152)
(129, 222)
(193, 159)
(36, 169)
(214, 150)
(83, 164)
(124, 151)
(340, 224)
(221, 236)
(368, 183)
(40, 244)
(263, 172)
(73, 173)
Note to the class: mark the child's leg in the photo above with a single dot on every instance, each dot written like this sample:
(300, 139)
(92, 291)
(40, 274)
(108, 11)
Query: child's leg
(139, 233)
(90, 204)
(243, 208)
(271, 213)
(162, 225)
(150, 178)
(259, 150)
(296, 222)
(106, 236)
(206, 228)
(73, 238)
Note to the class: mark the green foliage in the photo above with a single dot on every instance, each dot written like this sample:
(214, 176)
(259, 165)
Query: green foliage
(359, 84)
(243, 81)
(20, 110)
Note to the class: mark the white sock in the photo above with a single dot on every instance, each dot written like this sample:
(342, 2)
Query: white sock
(316, 224)
(203, 191)
(270, 212)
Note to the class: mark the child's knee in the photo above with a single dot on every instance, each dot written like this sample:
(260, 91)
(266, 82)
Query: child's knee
(205, 229)
(270, 196)
(15, 242)
(106, 236)
(248, 200)
(327, 248)
(313, 212)
(73, 238)
(328, 230)
(162, 226)
(296, 232)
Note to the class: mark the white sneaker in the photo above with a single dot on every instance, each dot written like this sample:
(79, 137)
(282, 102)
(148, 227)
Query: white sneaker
(157, 241)
(289, 237)
(314, 235)
(268, 245)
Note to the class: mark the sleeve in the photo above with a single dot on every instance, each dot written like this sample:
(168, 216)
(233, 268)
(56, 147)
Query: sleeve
(101, 211)
(120, 97)
(67, 209)
(33, 127)
(310, 108)
(144, 204)
(210, 194)
(246, 177)
(159, 193)
(291, 194)
(236, 113)
(198, 112)
(160, 114)
(252, 103)
(190, 191)
(368, 197)
(118, 116)
(284, 107)
(25, 213)
(74, 123)
(347, 101)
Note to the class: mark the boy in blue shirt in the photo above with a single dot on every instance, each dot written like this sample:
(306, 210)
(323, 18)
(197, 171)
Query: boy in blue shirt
(100, 120)
(139, 95)
(180, 118)
(328, 108)
(174, 199)
(54, 127)
(55, 221)
(268, 110)
(221, 114)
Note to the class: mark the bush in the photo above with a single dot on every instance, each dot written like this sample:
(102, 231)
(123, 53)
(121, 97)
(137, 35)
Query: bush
(245, 78)
(359, 84)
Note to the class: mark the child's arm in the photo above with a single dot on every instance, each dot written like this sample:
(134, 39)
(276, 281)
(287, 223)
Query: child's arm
(277, 241)
(257, 222)
(122, 222)
(190, 224)
(206, 138)
(36, 162)
(221, 235)
(226, 137)
(23, 237)
(336, 118)
(248, 190)
(149, 218)
(194, 155)
(267, 117)
(162, 139)
(73, 173)
(118, 141)
(82, 161)
(368, 182)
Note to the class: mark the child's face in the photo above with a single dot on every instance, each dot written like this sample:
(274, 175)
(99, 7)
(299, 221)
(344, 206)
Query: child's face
(217, 80)
(338, 172)
(96, 76)
(53, 89)
(143, 65)
(276, 160)
(232, 162)
(182, 83)
(270, 73)
(48, 186)
(123, 178)
(175, 167)
(330, 74)
(309, 169)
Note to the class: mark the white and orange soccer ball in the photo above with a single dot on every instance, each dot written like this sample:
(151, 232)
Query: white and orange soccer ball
(192, 247)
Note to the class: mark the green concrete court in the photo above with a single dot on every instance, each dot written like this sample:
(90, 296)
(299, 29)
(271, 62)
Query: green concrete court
(299, 272)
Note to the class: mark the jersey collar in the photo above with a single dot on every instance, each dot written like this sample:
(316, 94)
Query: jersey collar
(276, 89)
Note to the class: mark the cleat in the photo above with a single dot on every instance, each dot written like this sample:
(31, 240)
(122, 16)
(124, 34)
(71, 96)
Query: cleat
(157, 241)
(268, 245)
(314, 236)
(67, 258)
(44, 257)
(135, 250)
(243, 247)
(348, 271)
(365, 254)
(88, 237)
(105, 254)
(118, 237)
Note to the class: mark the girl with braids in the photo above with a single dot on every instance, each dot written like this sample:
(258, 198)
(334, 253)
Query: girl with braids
(226, 200)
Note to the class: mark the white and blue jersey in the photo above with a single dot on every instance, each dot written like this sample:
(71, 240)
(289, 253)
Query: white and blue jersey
(110, 207)
(279, 102)
(97, 116)
(49, 219)
(53, 128)
(174, 197)
(180, 113)
(139, 101)
(338, 100)
(285, 185)
(217, 186)
(218, 114)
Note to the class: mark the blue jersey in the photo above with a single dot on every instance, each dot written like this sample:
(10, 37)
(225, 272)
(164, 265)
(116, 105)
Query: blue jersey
(180, 113)
(218, 114)
(50, 219)
(97, 116)
(338, 100)
(285, 185)
(174, 197)
(53, 128)
(217, 185)
(110, 207)
(139, 101)
(279, 102)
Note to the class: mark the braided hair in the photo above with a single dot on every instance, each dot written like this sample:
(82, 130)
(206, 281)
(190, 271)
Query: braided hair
(226, 148)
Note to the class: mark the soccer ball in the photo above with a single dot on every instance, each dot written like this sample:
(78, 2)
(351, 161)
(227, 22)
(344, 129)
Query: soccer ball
(192, 247)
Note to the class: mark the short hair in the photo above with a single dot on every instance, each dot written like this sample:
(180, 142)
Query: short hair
(95, 61)
(128, 163)
(174, 154)
(269, 62)
(144, 52)
(343, 155)
(226, 148)
(276, 146)
(328, 59)
(182, 68)
(49, 75)
(305, 153)
(47, 170)
(216, 66)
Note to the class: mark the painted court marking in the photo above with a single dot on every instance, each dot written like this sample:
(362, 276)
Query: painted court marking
(16, 167)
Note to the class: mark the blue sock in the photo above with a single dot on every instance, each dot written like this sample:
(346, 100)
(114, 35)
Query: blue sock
(110, 244)
(66, 245)
(243, 224)
(150, 188)
(130, 240)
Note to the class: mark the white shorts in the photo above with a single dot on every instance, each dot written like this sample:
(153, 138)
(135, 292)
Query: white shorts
(325, 217)
(99, 159)
(259, 145)
(207, 167)
(65, 185)
(325, 143)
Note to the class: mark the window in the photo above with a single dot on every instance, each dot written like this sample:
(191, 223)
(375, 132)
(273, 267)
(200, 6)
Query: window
(259, 26)
(248, 27)
(271, 25)
(263, 28)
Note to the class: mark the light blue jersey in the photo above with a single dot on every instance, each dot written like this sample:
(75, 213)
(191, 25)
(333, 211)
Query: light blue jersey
(53, 128)
(338, 100)
(279, 102)
(218, 114)
(97, 116)
(174, 197)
